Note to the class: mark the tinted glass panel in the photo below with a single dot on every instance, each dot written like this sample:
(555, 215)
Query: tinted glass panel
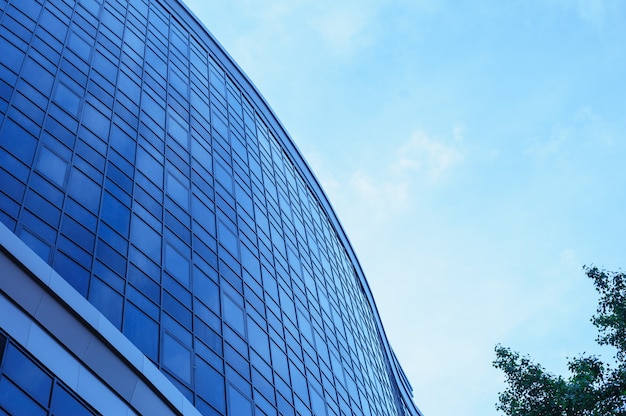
(177, 358)
(67, 99)
(141, 330)
(52, 166)
(22, 371)
(64, 403)
(177, 264)
(238, 404)
(16, 402)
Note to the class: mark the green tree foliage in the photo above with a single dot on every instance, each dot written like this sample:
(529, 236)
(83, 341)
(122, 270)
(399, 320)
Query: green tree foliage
(593, 387)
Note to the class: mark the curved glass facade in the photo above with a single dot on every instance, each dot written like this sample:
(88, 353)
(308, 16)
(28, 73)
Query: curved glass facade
(140, 163)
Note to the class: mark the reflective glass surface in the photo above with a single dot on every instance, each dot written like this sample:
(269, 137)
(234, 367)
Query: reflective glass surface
(137, 162)
(27, 388)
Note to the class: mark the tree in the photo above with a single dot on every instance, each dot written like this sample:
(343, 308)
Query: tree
(593, 388)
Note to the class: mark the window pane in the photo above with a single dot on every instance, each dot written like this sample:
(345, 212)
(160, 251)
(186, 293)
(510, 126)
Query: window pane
(71, 271)
(177, 129)
(141, 330)
(64, 403)
(67, 99)
(210, 385)
(206, 290)
(177, 265)
(52, 166)
(258, 339)
(107, 300)
(233, 315)
(148, 240)
(26, 374)
(36, 244)
(228, 238)
(115, 214)
(84, 190)
(18, 141)
(176, 358)
(177, 191)
(79, 45)
(238, 404)
(16, 402)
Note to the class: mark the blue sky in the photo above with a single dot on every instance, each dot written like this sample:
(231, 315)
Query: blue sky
(473, 151)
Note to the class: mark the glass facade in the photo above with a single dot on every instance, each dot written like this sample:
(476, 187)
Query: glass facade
(141, 164)
(26, 388)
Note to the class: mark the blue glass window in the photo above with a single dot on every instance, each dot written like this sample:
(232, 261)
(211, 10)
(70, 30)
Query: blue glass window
(67, 99)
(64, 403)
(146, 239)
(238, 404)
(93, 6)
(150, 166)
(317, 402)
(206, 290)
(116, 214)
(107, 300)
(211, 338)
(210, 385)
(203, 215)
(110, 256)
(38, 76)
(176, 127)
(177, 265)
(11, 56)
(279, 361)
(128, 85)
(36, 244)
(233, 314)
(142, 273)
(223, 176)
(79, 45)
(123, 143)
(176, 358)
(176, 80)
(95, 121)
(84, 190)
(25, 373)
(18, 141)
(71, 271)
(227, 238)
(142, 331)
(250, 261)
(16, 402)
(177, 191)
(304, 325)
(258, 339)
(200, 153)
(153, 108)
(52, 166)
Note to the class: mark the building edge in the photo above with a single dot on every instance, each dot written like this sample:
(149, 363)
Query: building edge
(234, 70)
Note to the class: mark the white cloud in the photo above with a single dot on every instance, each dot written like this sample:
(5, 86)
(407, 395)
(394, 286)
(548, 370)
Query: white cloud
(389, 186)
(425, 156)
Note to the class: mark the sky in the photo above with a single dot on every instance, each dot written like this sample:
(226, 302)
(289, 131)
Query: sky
(474, 153)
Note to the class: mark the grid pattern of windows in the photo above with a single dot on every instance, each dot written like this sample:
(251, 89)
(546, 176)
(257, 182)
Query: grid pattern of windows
(145, 175)
(26, 388)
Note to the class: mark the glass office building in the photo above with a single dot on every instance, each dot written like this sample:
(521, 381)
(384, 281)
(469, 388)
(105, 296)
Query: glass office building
(164, 247)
